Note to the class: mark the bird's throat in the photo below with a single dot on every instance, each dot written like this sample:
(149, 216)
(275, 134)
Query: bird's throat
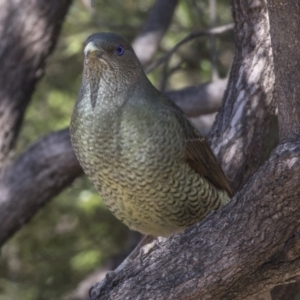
(94, 87)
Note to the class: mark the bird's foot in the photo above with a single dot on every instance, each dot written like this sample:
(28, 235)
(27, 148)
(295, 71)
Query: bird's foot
(145, 250)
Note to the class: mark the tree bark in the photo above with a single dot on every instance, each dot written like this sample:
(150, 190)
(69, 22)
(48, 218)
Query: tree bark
(284, 18)
(28, 32)
(245, 129)
(40, 173)
(287, 291)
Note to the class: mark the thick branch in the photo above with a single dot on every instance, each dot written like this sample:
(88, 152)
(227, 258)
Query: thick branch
(245, 129)
(155, 27)
(40, 173)
(28, 32)
(284, 267)
(284, 18)
(245, 235)
(200, 100)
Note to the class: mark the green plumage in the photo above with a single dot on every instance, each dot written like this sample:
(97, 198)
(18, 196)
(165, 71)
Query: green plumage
(153, 170)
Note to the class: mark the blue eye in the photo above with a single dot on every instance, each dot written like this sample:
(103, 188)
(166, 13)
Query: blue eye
(120, 50)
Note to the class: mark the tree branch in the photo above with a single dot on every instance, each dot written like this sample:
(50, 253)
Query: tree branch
(200, 100)
(40, 173)
(146, 43)
(245, 130)
(166, 56)
(283, 268)
(28, 32)
(284, 17)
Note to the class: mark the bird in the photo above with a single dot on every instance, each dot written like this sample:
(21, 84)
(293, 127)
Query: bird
(155, 172)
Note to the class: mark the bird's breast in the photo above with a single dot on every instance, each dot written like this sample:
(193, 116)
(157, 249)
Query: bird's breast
(124, 145)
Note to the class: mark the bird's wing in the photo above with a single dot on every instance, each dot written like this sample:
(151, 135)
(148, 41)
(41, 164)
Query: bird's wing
(199, 154)
(201, 158)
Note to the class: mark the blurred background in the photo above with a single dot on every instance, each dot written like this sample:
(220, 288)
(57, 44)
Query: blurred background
(74, 239)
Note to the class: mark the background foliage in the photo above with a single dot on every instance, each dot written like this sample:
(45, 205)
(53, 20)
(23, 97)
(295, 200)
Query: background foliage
(76, 232)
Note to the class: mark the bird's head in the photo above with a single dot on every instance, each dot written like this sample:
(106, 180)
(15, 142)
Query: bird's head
(110, 58)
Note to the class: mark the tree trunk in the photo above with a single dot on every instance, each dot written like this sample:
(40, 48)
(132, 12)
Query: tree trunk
(245, 130)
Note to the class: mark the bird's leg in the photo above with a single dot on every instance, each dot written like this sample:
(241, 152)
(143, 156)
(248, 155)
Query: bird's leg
(149, 246)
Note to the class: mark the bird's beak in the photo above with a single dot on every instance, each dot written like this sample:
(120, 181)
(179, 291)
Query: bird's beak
(92, 51)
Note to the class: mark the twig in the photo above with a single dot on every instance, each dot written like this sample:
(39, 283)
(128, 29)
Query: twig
(212, 31)
(213, 54)
(166, 73)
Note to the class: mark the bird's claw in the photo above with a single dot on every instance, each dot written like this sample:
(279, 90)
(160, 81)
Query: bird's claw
(145, 250)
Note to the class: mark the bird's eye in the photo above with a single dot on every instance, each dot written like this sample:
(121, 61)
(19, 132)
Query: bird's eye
(120, 50)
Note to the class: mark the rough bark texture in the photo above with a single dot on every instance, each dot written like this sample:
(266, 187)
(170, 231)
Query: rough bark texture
(284, 18)
(155, 27)
(242, 131)
(39, 174)
(28, 32)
